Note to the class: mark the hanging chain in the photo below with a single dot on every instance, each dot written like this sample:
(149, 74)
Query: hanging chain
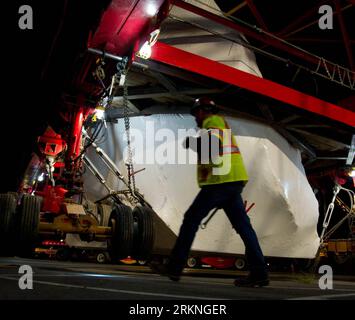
(122, 73)
(127, 124)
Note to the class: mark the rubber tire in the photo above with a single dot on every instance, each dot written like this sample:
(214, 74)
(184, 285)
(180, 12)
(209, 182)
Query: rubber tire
(120, 245)
(192, 262)
(27, 227)
(8, 204)
(101, 258)
(145, 232)
(240, 264)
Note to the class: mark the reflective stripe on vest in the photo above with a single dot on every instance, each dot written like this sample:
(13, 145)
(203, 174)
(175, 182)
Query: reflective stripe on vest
(229, 150)
(220, 134)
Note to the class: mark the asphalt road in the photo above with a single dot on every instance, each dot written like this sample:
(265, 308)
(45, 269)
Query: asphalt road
(53, 280)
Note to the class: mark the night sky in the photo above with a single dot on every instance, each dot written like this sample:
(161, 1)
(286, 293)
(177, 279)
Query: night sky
(36, 66)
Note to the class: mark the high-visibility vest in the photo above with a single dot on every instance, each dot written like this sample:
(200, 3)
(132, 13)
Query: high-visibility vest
(229, 166)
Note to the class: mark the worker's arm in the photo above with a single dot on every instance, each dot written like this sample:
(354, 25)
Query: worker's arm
(208, 143)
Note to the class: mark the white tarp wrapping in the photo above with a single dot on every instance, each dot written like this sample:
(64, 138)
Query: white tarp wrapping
(285, 210)
(221, 45)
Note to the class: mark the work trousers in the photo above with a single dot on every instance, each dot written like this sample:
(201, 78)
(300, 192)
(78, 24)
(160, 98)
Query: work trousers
(228, 197)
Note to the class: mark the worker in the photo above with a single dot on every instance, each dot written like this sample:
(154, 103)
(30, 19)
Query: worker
(219, 189)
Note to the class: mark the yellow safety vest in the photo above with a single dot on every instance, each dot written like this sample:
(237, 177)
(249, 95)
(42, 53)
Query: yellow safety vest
(230, 166)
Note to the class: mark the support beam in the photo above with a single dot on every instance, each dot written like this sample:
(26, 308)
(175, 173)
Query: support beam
(299, 21)
(295, 141)
(345, 35)
(265, 110)
(164, 94)
(169, 85)
(287, 35)
(308, 126)
(317, 40)
(184, 60)
(331, 158)
(290, 119)
(319, 137)
(257, 15)
(236, 8)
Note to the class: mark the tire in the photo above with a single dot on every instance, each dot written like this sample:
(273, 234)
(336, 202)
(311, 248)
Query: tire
(8, 204)
(101, 257)
(144, 232)
(120, 245)
(192, 262)
(28, 223)
(240, 263)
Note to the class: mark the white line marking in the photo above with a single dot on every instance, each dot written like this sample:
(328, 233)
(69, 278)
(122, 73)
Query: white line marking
(325, 297)
(312, 288)
(118, 291)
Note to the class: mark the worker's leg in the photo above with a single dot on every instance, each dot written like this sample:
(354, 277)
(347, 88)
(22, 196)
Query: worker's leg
(208, 198)
(235, 210)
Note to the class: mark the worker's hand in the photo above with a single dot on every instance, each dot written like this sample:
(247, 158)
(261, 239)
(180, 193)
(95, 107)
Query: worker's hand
(186, 143)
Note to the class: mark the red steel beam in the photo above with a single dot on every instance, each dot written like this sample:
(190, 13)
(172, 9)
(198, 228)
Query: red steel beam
(181, 59)
(124, 24)
(247, 32)
(345, 35)
(256, 14)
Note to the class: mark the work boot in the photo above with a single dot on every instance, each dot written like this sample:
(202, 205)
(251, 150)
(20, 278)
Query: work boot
(252, 281)
(164, 270)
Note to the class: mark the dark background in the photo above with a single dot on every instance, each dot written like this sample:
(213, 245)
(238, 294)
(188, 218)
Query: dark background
(36, 66)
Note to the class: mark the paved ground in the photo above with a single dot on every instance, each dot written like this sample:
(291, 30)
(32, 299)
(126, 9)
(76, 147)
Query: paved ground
(53, 280)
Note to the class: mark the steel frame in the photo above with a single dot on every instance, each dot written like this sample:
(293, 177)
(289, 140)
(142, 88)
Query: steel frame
(184, 60)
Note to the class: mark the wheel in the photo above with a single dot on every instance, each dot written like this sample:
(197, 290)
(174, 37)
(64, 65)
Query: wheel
(27, 228)
(240, 263)
(8, 204)
(101, 257)
(192, 262)
(144, 232)
(142, 262)
(121, 243)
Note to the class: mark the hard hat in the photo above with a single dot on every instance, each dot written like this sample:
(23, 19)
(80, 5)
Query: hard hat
(205, 104)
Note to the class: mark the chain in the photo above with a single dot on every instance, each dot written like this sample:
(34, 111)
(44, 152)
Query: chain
(127, 124)
(121, 77)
